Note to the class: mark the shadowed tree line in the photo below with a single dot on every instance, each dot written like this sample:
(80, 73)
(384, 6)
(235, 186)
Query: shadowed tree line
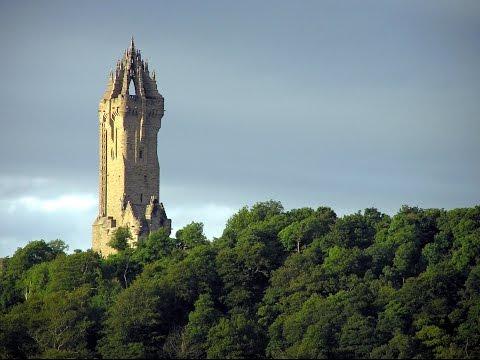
(302, 283)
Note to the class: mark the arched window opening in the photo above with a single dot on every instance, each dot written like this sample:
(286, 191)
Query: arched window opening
(131, 88)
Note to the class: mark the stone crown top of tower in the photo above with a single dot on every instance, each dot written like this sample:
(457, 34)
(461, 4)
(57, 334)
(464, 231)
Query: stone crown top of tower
(132, 68)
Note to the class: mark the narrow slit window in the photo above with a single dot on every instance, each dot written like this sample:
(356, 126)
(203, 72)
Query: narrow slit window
(141, 198)
(140, 154)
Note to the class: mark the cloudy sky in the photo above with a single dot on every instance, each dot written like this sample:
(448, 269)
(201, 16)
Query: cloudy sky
(340, 103)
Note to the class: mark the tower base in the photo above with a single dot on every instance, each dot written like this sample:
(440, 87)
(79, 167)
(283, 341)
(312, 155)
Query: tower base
(154, 219)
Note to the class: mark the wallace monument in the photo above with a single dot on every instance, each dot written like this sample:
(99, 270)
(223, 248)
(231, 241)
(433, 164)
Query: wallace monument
(130, 115)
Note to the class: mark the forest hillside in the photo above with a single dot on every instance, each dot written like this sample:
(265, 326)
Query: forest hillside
(302, 283)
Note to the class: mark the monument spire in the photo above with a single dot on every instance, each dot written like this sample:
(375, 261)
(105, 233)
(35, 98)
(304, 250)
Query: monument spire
(132, 44)
(132, 68)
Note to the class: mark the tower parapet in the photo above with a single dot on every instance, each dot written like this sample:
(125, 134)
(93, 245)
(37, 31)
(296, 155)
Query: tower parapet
(129, 169)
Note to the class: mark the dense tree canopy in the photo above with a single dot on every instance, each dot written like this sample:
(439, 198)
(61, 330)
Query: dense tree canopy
(302, 283)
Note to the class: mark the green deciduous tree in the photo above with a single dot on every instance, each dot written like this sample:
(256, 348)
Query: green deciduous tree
(191, 235)
(200, 321)
(235, 337)
(120, 239)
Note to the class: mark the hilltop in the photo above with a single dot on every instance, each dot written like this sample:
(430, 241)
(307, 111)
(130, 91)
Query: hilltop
(302, 283)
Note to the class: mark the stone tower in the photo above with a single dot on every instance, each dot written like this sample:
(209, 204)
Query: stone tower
(130, 115)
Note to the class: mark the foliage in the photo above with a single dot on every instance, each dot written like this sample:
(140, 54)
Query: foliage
(120, 238)
(301, 283)
(191, 235)
(200, 321)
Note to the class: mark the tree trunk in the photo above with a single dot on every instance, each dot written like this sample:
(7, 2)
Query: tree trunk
(125, 272)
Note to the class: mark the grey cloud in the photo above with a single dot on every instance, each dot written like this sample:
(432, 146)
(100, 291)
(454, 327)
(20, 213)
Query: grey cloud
(312, 103)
